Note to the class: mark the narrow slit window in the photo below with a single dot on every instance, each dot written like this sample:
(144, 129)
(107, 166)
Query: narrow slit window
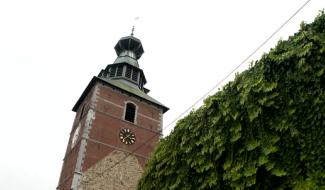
(130, 112)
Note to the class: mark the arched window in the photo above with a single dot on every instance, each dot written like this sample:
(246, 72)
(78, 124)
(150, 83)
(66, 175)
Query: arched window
(130, 112)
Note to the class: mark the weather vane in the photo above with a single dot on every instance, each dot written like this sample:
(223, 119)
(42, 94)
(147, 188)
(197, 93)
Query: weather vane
(132, 32)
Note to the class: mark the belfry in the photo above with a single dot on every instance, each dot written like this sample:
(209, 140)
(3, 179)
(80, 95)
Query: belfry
(116, 127)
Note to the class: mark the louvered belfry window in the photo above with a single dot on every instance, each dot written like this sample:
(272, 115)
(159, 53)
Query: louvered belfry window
(112, 72)
(130, 112)
(128, 72)
(119, 71)
(135, 75)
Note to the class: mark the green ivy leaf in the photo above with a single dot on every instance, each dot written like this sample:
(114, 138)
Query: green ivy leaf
(278, 172)
(253, 112)
(320, 72)
(251, 145)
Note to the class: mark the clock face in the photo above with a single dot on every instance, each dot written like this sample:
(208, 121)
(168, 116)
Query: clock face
(127, 136)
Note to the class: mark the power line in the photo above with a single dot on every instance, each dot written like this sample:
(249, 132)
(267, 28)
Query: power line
(215, 86)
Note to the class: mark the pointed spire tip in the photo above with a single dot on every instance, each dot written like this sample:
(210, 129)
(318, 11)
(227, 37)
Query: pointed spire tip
(132, 32)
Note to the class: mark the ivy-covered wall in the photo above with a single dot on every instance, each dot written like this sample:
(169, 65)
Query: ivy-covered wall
(264, 130)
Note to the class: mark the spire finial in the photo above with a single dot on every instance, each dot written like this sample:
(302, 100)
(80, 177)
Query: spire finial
(132, 32)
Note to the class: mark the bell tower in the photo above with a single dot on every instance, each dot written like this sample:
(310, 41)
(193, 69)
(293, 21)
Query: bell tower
(115, 117)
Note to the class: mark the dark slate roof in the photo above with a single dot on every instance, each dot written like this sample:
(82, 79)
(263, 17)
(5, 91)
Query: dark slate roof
(123, 87)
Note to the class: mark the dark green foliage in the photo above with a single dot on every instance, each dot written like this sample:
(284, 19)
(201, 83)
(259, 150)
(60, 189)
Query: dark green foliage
(264, 130)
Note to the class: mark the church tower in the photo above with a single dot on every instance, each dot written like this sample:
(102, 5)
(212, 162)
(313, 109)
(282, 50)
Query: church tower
(116, 127)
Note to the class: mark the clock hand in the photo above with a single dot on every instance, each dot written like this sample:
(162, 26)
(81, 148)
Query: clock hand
(125, 138)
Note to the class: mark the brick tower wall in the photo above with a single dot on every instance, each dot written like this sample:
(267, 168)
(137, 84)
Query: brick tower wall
(100, 123)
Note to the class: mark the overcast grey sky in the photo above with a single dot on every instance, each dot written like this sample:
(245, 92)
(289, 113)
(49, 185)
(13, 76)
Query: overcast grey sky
(49, 51)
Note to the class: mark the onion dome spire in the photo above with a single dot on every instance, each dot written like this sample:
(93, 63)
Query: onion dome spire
(129, 49)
